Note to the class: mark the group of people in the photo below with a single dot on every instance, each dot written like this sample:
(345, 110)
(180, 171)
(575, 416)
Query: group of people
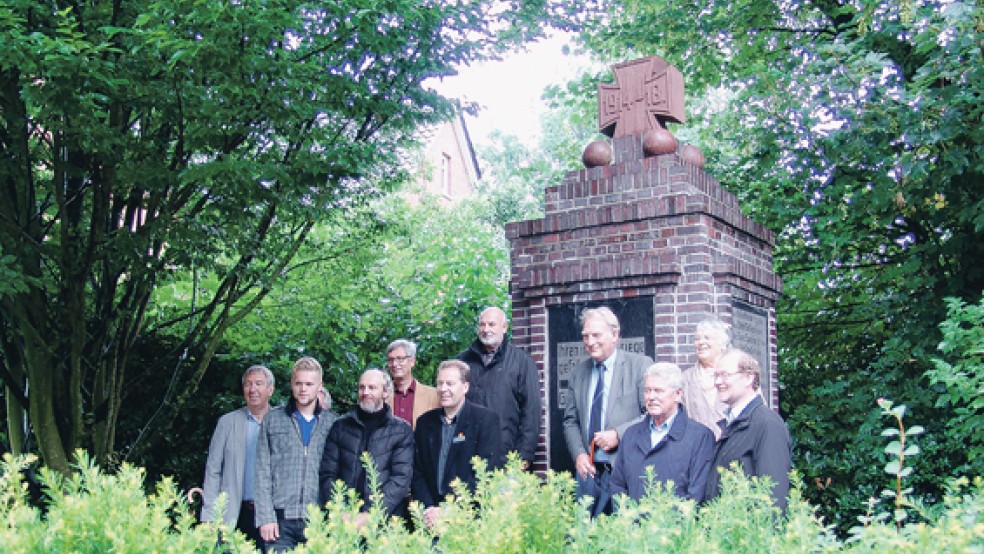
(626, 416)
(623, 414)
(271, 463)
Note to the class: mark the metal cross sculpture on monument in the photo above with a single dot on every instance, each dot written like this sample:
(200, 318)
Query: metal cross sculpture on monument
(647, 93)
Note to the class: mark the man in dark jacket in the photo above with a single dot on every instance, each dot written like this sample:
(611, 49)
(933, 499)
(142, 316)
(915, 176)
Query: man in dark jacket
(678, 448)
(447, 438)
(752, 434)
(388, 440)
(504, 379)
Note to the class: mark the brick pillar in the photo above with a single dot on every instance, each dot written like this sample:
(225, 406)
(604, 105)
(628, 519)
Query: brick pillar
(654, 236)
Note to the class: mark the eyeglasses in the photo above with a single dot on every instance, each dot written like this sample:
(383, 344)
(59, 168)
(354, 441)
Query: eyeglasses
(725, 375)
(397, 359)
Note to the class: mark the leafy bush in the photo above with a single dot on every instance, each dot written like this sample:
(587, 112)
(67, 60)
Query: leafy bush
(92, 511)
(510, 512)
(960, 373)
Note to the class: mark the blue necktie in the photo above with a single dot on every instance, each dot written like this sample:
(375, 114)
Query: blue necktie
(594, 423)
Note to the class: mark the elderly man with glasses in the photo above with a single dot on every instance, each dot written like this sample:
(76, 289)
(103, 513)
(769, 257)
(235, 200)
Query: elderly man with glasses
(410, 397)
(751, 434)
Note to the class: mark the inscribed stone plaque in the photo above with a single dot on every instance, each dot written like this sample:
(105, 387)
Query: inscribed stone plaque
(750, 332)
(566, 351)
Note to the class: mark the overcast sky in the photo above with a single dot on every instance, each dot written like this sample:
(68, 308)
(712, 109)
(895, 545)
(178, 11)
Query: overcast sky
(509, 91)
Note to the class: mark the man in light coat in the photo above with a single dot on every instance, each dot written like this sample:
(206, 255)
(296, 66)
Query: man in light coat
(232, 455)
(604, 398)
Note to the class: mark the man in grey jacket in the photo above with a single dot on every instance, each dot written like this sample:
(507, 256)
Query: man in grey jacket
(604, 398)
(232, 455)
(288, 453)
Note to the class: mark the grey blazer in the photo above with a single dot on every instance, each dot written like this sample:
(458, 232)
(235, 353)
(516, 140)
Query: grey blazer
(625, 403)
(225, 466)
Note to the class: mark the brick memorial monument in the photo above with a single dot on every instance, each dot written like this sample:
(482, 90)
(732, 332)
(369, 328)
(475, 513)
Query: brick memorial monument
(643, 230)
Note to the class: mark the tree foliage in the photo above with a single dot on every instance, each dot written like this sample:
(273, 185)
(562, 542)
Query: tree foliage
(960, 372)
(145, 140)
(425, 278)
(393, 271)
(853, 130)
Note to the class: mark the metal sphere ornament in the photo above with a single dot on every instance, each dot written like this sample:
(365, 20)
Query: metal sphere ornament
(597, 153)
(658, 141)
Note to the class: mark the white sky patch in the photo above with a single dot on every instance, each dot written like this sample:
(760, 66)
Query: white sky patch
(508, 91)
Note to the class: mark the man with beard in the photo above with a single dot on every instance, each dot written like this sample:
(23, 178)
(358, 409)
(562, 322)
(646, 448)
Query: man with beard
(447, 438)
(678, 448)
(504, 379)
(290, 443)
(232, 456)
(388, 440)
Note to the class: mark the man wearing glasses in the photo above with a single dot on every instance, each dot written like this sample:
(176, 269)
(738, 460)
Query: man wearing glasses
(410, 398)
(751, 434)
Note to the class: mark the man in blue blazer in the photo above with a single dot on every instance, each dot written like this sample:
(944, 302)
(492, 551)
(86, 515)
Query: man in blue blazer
(677, 448)
(232, 455)
(604, 398)
(447, 438)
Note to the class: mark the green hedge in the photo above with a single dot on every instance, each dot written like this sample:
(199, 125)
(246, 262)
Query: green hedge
(511, 512)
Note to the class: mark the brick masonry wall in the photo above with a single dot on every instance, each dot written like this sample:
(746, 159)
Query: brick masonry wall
(643, 226)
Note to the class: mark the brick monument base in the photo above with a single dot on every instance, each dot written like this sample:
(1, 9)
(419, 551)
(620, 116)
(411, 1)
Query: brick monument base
(660, 242)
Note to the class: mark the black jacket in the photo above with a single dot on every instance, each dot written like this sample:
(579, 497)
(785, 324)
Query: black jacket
(759, 440)
(475, 434)
(510, 387)
(391, 449)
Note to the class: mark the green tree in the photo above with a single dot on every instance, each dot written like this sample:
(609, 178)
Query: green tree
(393, 271)
(425, 278)
(853, 130)
(960, 373)
(144, 140)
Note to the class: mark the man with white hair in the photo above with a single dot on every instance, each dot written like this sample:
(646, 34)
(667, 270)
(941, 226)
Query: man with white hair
(603, 400)
(232, 456)
(678, 448)
(371, 428)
